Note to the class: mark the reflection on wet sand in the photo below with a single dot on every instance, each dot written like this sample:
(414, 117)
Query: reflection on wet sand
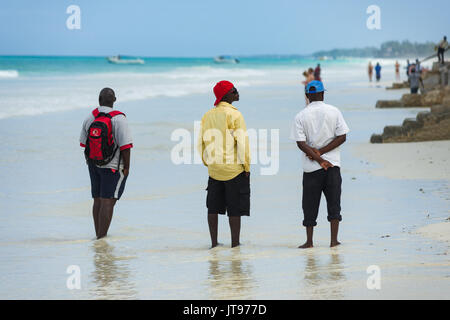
(111, 274)
(230, 275)
(323, 281)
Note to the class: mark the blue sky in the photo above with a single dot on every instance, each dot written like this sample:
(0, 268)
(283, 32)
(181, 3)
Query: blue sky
(197, 28)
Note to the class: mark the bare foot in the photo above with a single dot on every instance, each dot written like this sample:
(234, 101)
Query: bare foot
(334, 244)
(216, 245)
(235, 245)
(306, 245)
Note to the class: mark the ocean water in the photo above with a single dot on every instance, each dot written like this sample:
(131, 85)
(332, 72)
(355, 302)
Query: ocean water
(158, 243)
(35, 85)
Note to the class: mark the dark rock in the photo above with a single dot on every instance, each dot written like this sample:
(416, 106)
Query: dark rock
(411, 100)
(432, 81)
(410, 124)
(422, 117)
(376, 138)
(432, 97)
(389, 104)
(391, 131)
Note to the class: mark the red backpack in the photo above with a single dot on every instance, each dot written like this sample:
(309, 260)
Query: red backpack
(100, 146)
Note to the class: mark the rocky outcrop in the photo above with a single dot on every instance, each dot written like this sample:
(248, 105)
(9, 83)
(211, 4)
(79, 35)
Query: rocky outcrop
(389, 104)
(399, 85)
(432, 125)
(411, 100)
(432, 97)
(428, 125)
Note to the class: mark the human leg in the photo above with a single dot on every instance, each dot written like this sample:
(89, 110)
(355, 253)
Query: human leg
(312, 192)
(95, 213)
(213, 221)
(105, 216)
(215, 202)
(235, 228)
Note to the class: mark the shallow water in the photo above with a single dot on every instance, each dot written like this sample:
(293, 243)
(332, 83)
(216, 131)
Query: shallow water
(158, 244)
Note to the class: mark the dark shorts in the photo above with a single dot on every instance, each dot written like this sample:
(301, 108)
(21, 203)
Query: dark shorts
(232, 196)
(414, 90)
(314, 183)
(106, 183)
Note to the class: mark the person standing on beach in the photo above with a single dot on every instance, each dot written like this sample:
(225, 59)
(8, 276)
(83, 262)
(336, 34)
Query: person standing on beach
(224, 146)
(317, 73)
(108, 176)
(418, 66)
(442, 47)
(370, 71)
(408, 66)
(310, 76)
(415, 80)
(319, 129)
(397, 70)
(378, 72)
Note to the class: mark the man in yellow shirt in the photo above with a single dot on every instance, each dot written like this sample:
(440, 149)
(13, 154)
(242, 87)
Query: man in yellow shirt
(224, 147)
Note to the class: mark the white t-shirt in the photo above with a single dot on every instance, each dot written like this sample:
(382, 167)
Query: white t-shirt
(120, 131)
(319, 124)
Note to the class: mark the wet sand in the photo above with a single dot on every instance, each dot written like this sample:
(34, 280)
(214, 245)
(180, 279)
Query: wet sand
(414, 160)
(437, 231)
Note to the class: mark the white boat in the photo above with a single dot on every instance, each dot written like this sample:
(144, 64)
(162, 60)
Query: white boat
(225, 59)
(120, 60)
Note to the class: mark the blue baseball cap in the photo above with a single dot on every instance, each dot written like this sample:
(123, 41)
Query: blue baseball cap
(318, 87)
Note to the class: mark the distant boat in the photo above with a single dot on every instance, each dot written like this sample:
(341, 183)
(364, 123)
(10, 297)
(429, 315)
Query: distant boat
(120, 60)
(225, 59)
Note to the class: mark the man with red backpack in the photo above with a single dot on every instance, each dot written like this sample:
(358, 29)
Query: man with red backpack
(107, 141)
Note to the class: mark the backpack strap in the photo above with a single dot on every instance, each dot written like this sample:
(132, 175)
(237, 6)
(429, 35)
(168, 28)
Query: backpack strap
(116, 113)
(95, 112)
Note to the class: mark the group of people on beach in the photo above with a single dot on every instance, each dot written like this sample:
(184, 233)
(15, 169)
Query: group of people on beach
(413, 73)
(377, 71)
(413, 70)
(318, 130)
(312, 74)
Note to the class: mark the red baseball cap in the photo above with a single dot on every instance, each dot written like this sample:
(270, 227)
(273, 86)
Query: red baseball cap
(220, 89)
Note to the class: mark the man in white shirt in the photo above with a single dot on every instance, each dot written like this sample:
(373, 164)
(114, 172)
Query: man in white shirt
(442, 47)
(319, 130)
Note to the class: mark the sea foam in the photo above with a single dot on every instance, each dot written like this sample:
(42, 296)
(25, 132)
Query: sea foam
(9, 74)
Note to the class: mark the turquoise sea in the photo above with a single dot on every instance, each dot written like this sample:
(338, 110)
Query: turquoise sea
(33, 85)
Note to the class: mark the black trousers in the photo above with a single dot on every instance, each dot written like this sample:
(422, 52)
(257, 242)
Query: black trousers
(440, 54)
(314, 183)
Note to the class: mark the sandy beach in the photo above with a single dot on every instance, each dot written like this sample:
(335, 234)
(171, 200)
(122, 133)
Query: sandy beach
(415, 160)
(158, 243)
(438, 231)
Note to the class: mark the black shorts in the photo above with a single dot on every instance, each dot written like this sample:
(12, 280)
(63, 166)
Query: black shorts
(314, 183)
(232, 196)
(106, 183)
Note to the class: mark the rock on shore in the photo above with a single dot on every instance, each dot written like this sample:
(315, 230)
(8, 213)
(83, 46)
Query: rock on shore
(433, 125)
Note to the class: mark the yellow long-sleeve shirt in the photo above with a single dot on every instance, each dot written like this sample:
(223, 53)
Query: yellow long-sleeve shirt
(223, 142)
